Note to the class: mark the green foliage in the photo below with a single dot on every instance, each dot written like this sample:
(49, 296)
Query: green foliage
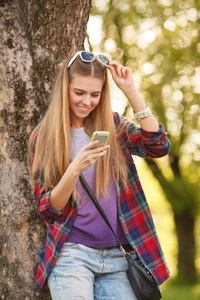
(183, 197)
(159, 40)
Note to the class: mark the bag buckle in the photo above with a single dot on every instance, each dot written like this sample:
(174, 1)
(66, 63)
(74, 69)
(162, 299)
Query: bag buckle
(124, 251)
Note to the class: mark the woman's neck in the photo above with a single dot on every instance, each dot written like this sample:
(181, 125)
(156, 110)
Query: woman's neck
(76, 125)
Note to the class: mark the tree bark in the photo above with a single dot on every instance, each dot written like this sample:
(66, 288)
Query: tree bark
(35, 37)
(186, 246)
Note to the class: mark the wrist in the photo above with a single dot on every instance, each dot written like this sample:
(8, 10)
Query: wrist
(129, 90)
(73, 168)
(142, 114)
(135, 99)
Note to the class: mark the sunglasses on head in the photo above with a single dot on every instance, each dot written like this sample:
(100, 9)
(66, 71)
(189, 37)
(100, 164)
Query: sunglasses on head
(89, 57)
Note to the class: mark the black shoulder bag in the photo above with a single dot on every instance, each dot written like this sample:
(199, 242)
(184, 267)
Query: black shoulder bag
(142, 281)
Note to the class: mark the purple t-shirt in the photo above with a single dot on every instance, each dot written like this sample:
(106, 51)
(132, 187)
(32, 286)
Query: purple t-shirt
(89, 228)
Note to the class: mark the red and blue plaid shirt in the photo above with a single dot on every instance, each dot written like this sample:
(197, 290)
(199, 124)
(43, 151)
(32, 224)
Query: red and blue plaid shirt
(133, 210)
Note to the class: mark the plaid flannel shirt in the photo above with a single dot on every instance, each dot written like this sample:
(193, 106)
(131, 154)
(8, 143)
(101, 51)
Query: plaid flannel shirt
(133, 210)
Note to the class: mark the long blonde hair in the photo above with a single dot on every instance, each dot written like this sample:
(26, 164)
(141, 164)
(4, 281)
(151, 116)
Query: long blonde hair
(51, 158)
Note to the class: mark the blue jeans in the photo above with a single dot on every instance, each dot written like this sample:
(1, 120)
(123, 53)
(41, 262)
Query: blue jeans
(84, 273)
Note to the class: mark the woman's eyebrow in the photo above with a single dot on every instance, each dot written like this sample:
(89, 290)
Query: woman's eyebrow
(80, 90)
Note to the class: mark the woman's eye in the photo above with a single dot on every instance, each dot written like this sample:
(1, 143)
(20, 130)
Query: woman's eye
(95, 95)
(77, 93)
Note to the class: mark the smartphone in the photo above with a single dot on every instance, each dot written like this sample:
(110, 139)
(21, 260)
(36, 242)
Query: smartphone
(101, 136)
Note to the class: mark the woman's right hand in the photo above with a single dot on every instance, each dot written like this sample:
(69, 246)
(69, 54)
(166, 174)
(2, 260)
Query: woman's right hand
(88, 155)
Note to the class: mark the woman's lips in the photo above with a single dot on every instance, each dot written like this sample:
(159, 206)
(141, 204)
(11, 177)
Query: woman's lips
(84, 109)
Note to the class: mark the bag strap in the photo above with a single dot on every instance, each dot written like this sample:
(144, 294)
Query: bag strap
(98, 206)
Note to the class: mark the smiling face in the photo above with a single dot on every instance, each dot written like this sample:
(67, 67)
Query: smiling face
(84, 96)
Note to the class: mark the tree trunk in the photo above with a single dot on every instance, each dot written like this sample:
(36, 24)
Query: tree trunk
(186, 246)
(35, 36)
(181, 197)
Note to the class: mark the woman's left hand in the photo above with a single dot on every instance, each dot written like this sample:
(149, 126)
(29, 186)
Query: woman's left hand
(121, 75)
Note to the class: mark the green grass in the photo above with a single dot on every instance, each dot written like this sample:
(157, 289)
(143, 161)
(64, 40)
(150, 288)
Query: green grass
(175, 291)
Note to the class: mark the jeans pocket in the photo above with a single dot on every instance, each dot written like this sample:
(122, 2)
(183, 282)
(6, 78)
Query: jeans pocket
(71, 244)
(67, 248)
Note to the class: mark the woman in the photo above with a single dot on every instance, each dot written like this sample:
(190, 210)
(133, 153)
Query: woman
(80, 256)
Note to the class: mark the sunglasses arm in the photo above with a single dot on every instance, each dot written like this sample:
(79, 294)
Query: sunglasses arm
(73, 59)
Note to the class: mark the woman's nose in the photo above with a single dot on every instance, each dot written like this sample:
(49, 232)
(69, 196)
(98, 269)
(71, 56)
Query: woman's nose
(86, 100)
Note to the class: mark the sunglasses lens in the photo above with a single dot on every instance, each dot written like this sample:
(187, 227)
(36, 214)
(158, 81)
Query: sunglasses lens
(104, 59)
(87, 56)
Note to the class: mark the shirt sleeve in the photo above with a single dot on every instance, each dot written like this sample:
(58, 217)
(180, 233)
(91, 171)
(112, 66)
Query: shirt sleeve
(42, 197)
(140, 142)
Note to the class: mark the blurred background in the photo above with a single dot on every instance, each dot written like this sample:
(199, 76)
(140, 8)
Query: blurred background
(160, 42)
